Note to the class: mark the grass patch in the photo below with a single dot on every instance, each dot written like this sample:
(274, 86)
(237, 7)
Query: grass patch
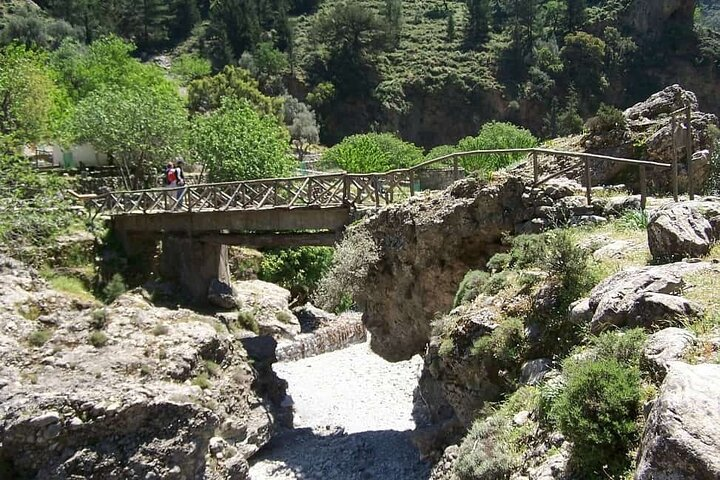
(202, 381)
(246, 320)
(98, 339)
(66, 284)
(283, 316)
(30, 311)
(39, 337)
(213, 369)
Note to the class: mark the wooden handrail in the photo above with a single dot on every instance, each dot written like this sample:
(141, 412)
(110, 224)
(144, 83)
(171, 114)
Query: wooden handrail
(318, 190)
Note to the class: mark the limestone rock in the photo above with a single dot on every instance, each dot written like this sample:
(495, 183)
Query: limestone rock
(311, 318)
(682, 435)
(666, 346)
(221, 295)
(533, 371)
(625, 299)
(678, 231)
(143, 406)
(269, 304)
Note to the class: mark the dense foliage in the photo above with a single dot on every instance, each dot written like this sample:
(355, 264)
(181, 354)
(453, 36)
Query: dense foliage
(297, 269)
(235, 142)
(372, 152)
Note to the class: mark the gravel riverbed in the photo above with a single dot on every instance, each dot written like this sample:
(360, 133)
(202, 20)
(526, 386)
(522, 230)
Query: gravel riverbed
(353, 420)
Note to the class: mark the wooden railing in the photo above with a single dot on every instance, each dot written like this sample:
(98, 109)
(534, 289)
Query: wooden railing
(332, 190)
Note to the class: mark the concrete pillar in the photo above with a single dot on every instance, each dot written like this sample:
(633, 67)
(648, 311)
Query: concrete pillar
(194, 265)
(141, 252)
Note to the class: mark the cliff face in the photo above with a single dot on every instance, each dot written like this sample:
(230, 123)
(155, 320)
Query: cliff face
(427, 245)
(649, 19)
(124, 391)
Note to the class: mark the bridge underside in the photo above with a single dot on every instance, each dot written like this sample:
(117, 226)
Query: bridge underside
(194, 244)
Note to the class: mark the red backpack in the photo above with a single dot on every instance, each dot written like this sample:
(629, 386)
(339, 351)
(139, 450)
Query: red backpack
(171, 176)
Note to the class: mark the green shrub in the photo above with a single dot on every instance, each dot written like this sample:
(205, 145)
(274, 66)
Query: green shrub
(202, 381)
(283, 316)
(624, 346)
(99, 319)
(297, 269)
(188, 67)
(212, 368)
(497, 282)
(528, 251)
(372, 152)
(495, 135)
(486, 453)
(505, 345)
(567, 262)
(471, 286)
(608, 118)
(98, 339)
(499, 262)
(596, 411)
(39, 337)
(351, 263)
(115, 287)
(634, 220)
(246, 319)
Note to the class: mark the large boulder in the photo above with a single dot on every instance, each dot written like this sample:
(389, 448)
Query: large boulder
(666, 346)
(678, 231)
(221, 295)
(122, 391)
(643, 297)
(269, 305)
(682, 435)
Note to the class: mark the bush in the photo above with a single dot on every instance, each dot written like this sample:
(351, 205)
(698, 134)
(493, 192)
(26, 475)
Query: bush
(372, 152)
(495, 135)
(297, 269)
(470, 287)
(99, 319)
(350, 266)
(98, 339)
(246, 319)
(497, 282)
(625, 346)
(608, 118)
(568, 264)
(39, 337)
(115, 287)
(634, 220)
(528, 251)
(505, 345)
(188, 67)
(485, 453)
(596, 411)
(283, 316)
(499, 262)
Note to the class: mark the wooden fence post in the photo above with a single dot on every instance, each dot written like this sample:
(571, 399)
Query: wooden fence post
(673, 126)
(643, 187)
(412, 182)
(536, 172)
(688, 152)
(588, 185)
(376, 187)
(346, 189)
(455, 168)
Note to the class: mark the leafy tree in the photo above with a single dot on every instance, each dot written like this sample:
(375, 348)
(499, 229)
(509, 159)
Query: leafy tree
(584, 59)
(140, 127)
(268, 65)
(495, 135)
(207, 94)
(188, 67)
(235, 142)
(373, 152)
(297, 269)
(31, 27)
(569, 120)
(301, 123)
(106, 63)
(28, 98)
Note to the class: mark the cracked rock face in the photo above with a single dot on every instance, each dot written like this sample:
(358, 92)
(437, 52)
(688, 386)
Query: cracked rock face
(146, 404)
(681, 439)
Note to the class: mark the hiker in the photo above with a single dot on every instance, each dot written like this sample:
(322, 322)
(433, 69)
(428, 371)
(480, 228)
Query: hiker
(170, 175)
(180, 182)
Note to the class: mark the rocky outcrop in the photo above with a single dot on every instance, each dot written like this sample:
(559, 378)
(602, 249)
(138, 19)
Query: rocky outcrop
(644, 297)
(678, 231)
(123, 391)
(269, 305)
(664, 347)
(344, 331)
(682, 437)
(648, 19)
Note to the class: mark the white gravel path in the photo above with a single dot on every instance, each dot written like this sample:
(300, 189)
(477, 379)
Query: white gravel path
(353, 417)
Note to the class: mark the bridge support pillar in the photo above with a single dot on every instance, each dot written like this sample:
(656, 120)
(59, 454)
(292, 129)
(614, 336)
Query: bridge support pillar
(194, 265)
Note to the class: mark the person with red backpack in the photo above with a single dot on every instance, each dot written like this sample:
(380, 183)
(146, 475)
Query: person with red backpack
(170, 175)
(180, 181)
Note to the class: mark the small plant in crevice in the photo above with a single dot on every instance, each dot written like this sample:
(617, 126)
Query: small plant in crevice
(246, 320)
(283, 316)
(471, 286)
(212, 368)
(202, 381)
(98, 339)
(505, 346)
(39, 337)
(114, 288)
(99, 319)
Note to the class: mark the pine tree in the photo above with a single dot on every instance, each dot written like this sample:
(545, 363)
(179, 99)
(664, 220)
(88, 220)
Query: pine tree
(575, 14)
(186, 15)
(450, 31)
(478, 24)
